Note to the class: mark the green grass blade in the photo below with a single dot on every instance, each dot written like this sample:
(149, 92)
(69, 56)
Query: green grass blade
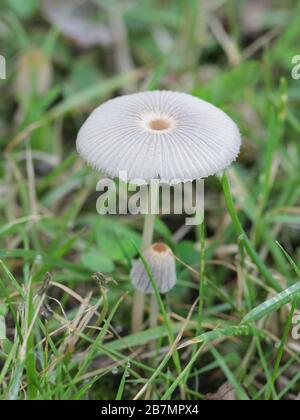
(241, 394)
(281, 350)
(16, 382)
(235, 331)
(291, 261)
(122, 384)
(181, 377)
(273, 304)
(264, 270)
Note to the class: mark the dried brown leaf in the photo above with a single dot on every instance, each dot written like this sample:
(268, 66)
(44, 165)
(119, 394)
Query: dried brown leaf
(225, 393)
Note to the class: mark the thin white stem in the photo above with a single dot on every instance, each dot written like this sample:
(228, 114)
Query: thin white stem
(153, 311)
(137, 312)
(148, 231)
(153, 319)
(139, 297)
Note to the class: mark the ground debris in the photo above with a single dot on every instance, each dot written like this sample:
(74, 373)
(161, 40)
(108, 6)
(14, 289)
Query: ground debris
(225, 393)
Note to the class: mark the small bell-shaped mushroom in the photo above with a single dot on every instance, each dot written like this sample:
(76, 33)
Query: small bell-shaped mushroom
(162, 264)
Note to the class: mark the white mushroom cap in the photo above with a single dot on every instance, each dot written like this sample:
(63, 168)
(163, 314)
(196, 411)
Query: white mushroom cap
(162, 264)
(164, 135)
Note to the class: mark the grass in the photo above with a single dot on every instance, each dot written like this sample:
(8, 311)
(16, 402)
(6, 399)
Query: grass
(64, 331)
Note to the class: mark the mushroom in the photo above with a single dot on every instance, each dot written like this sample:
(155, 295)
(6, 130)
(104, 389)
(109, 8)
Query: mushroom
(164, 135)
(159, 135)
(162, 264)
